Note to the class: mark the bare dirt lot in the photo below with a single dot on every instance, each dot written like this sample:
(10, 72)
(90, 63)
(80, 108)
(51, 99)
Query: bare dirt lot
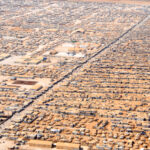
(25, 82)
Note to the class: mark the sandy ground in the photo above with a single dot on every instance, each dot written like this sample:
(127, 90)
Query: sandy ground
(5, 144)
(2, 78)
